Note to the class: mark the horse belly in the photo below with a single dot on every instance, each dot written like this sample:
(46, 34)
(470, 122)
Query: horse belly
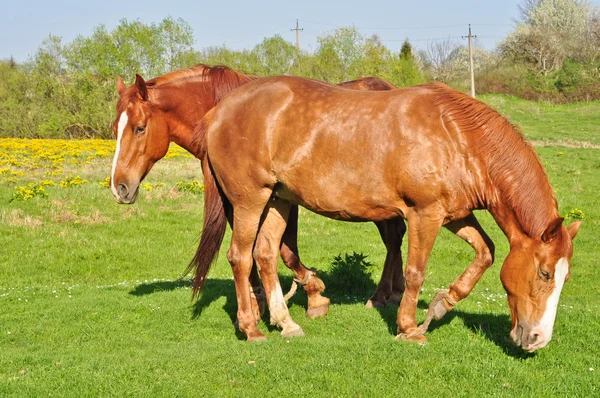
(342, 201)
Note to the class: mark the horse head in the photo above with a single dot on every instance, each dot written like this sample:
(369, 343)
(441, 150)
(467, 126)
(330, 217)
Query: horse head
(141, 142)
(533, 275)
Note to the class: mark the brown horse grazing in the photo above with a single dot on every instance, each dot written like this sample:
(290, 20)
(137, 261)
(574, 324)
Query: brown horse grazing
(427, 153)
(153, 113)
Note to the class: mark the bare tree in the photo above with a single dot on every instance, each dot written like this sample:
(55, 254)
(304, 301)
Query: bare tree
(440, 59)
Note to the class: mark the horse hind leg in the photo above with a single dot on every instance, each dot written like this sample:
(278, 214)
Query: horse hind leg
(318, 305)
(398, 281)
(265, 254)
(243, 236)
(471, 232)
(257, 293)
(391, 285)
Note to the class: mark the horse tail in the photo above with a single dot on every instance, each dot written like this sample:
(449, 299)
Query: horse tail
(216, 206)
(199, 136)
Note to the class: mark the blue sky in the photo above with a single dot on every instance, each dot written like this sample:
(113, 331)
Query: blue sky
(237, 24)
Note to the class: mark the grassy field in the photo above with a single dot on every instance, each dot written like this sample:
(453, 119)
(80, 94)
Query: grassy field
(91, 302)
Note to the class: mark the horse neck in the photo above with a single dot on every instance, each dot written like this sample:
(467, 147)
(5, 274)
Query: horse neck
(184, 104)
(523, 202)
(182, 108)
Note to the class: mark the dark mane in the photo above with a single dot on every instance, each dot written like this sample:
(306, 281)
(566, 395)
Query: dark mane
(512, 164)
(191, 72)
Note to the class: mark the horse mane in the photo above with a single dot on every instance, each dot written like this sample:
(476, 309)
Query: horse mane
(222, 78)
(191, 72)
(512, 163)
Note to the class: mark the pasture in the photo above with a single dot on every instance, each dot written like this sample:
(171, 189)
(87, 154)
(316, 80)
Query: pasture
(91, 300)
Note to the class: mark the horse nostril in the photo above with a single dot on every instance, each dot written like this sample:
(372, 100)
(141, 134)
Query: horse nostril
(535, 338)
(123, 190)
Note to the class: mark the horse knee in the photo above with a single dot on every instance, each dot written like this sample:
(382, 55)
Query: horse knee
(264, 255)
(234, 256)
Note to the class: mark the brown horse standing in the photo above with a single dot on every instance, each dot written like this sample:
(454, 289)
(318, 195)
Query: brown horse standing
(153, 113)
(428, 154)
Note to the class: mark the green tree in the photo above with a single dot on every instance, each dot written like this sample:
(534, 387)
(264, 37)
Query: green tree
(376, 58)
(340, 55)
(405, 70)
(274, 56)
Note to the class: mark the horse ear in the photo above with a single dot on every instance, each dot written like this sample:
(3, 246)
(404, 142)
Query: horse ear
(553, 230)
(140, 84)
(120, 85)
(573, 228)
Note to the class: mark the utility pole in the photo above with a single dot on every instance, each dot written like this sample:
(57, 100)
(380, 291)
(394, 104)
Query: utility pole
(470, 37)
(297, 36)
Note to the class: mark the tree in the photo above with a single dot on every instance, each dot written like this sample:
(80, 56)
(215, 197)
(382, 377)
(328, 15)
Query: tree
(274, 56)
(339, 55)
(441, 56)
(406, 70)
(376, 59)
(550, 31)
(176, 38)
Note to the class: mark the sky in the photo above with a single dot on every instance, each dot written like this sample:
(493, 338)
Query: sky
(240, 24)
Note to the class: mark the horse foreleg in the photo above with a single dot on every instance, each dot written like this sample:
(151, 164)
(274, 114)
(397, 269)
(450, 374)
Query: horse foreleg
(391, 285)
(318, 305)
(423, 227)
(265, 255)
(471, 232)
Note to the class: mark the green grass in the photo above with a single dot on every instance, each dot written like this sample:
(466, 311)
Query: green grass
(91, 304)
(563, 124)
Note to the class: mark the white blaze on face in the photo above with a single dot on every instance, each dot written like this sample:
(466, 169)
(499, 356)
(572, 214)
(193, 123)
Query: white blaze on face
(547, 322)
(123, 119)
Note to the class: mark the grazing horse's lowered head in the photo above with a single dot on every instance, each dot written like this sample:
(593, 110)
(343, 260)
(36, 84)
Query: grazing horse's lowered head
(429, 154)
(533, 275)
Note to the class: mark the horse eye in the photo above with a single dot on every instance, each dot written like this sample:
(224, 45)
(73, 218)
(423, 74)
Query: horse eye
(140, 129)
(545, 275)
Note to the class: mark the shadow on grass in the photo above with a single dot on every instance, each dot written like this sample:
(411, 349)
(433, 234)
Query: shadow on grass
(349, 279)
(493, 327)
(153, 287)
(348, 282)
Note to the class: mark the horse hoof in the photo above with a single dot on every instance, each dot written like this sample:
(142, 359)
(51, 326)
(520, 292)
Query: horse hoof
(317, 312)
(256, 337)
(419, 338)
(293, 332)
(371, 303)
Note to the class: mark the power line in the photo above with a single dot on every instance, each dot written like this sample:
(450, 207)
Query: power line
(425, 39)
(386, 28)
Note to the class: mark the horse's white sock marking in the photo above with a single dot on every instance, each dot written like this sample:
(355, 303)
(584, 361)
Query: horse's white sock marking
(277, 306)
(123, 119)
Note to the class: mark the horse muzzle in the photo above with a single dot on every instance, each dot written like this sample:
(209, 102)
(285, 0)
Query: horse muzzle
(125, 194)
(530, 339)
